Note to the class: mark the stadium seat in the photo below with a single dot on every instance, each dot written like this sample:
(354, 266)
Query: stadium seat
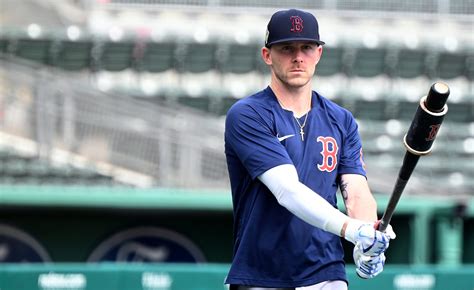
(368, 62)
(371, 110)
(451, 65)
(200, 103)
(198, 57)
(33, 49)
(470, 66)
(410, 63)
(224, 105)
(4, 43)
(73, 55)
(157, 57)
(239, 58)
(460, 112)
(406, 110)
(114, 56)
(332, 61)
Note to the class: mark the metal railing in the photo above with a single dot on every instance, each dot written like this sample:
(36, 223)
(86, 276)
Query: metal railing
(172, 146)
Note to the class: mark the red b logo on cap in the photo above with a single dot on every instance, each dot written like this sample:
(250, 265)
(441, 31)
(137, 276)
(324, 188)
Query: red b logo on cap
(296, 24)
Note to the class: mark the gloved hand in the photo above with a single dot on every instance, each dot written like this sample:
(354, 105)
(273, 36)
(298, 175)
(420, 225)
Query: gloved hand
(370, 245)
(364, 235)
(368, 266)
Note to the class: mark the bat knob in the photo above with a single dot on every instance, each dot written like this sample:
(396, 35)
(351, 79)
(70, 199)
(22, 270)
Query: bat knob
(380, 225)
(437, 97)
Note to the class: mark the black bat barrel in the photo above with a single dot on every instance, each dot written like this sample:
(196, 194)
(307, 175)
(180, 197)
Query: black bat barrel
(418, 141)
(427, 120)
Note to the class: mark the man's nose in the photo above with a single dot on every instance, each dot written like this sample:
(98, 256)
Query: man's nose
(298, 55)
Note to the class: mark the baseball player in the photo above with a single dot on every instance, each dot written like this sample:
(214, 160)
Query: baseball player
(288, 150)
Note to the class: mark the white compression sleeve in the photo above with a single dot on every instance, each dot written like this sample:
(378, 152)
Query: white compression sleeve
(300, 200)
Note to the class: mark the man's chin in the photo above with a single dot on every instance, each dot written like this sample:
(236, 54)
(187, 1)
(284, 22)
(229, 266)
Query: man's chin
(297, 83)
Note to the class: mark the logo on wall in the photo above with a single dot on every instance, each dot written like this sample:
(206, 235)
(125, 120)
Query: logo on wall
(147, 245)
(16, 246)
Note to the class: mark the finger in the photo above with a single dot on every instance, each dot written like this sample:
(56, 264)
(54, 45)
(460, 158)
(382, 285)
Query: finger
(390, 233)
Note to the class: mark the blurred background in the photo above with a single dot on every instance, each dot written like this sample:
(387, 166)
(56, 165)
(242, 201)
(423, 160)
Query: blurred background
(112, 166)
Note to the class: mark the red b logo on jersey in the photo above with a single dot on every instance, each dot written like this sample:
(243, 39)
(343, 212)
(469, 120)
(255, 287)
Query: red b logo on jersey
(329, 153)
(296, 24)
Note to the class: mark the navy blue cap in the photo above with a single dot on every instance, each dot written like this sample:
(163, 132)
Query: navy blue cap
(292, 25)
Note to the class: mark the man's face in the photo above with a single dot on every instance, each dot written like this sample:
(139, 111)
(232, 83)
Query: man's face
(293, 63)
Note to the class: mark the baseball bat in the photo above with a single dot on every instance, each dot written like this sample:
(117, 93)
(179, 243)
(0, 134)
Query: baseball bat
(418, 142)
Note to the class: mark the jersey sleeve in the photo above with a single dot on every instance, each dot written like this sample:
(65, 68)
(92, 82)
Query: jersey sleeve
(248, 134)
(352, 161)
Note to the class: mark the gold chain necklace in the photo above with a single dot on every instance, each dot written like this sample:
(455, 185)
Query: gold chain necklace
(296, 118)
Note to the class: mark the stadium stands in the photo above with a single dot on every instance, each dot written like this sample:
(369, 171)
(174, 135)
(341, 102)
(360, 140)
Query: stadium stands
(332, 62)
(72, 55)
(233, 58)
(411, 63)
(379, 76)
(32, 49)
(113, 56)
(197, 57)
(156, 57)
(368, 62)
(451, 65)
(238, 58)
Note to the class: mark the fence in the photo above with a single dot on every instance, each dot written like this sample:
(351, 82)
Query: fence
(145, 143)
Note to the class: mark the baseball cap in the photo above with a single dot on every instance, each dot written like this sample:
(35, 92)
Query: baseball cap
(292, 25)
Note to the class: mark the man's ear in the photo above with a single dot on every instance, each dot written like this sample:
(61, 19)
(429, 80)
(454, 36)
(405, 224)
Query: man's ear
(266, 55)
(319, 53)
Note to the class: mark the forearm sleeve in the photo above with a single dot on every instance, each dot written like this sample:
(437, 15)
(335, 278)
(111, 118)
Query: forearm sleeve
(300, 200)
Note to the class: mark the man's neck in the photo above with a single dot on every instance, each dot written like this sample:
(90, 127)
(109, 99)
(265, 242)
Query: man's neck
(297, 100)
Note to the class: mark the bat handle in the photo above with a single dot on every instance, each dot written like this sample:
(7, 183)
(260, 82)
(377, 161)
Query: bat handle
(409, 163)
(394, 198)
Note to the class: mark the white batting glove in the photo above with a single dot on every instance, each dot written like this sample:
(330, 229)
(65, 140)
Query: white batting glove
(370, 246)
(370, 241)
(368, 267)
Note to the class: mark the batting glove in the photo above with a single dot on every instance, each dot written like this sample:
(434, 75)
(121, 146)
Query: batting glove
(368, 267)
(365, 237)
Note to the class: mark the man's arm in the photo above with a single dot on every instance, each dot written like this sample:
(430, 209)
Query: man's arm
(360, 204)
(358, 199)
(309, 206)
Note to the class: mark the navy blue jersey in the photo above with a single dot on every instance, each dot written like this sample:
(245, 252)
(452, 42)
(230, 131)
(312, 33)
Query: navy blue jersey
(273, 247)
